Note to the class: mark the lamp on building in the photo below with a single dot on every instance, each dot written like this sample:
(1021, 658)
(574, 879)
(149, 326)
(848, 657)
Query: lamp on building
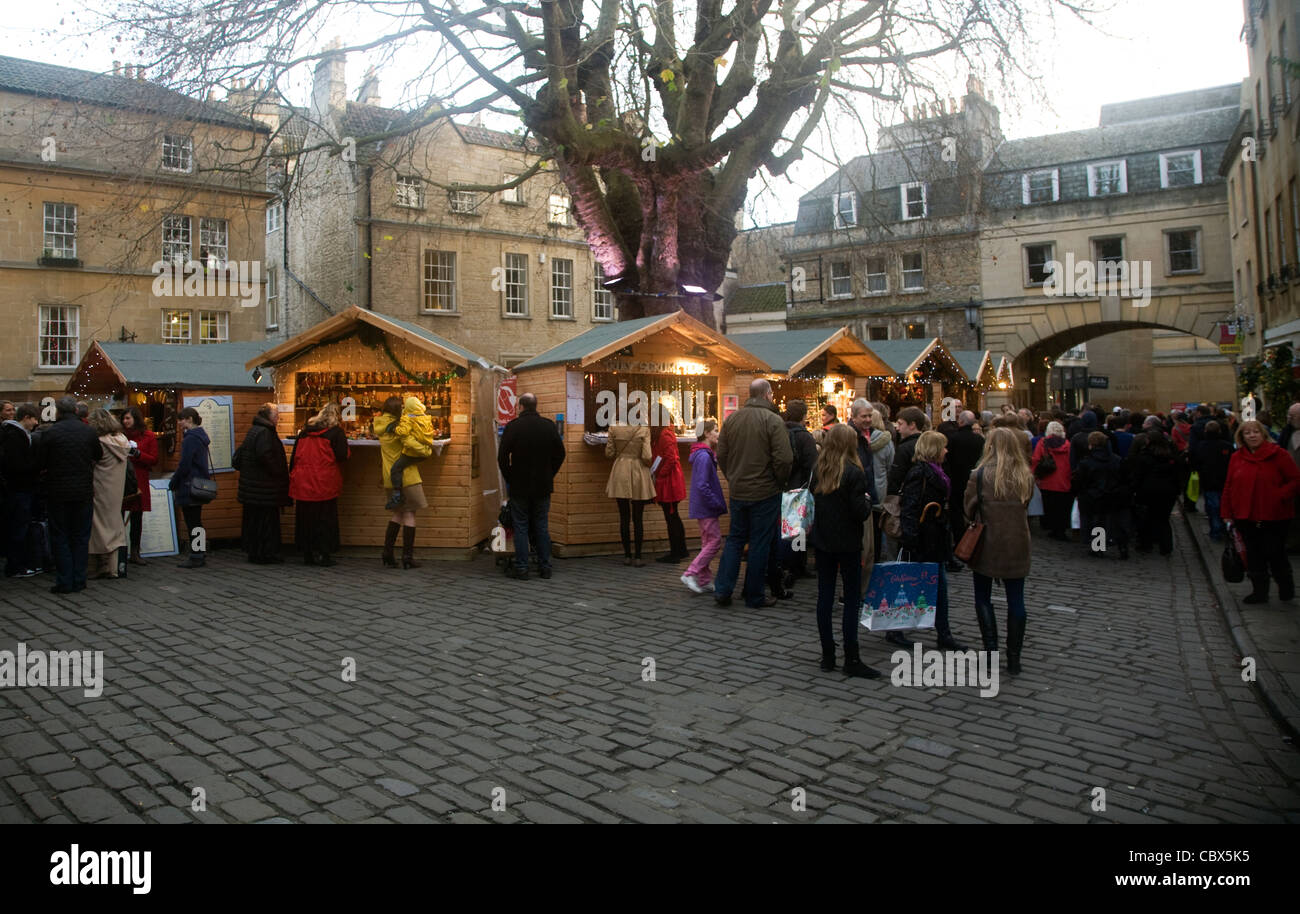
(257, 374)
(125, 337)
(973, 321)
(699, 290)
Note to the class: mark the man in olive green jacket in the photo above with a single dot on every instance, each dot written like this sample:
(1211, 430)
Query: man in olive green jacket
(754, 454)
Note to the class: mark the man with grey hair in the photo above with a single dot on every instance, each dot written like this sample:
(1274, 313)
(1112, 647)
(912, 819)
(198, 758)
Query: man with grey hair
(66, 454)
(754, 454)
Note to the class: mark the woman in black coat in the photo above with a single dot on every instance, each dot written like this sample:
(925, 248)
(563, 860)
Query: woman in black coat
(924, 516)
(840, 507)
(1209, 457)
(1100, 485)
(263, 487)
(1155, 474)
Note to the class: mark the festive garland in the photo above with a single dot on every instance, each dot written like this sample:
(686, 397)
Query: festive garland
(428, 380)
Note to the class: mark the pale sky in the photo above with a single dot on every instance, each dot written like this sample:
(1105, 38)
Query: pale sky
(1141, 48)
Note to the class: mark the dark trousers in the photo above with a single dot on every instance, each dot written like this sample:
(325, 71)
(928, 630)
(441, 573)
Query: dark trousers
(1266, 554)
(1056, 511)
(849, 567)
(1015, 594)
(193, 515)
(1153, 526)
(676, 530)
(399, 466)
(631, 513)
(70, 536)
(18, 517)
(530, 517)
(755, 523)
(136, 530)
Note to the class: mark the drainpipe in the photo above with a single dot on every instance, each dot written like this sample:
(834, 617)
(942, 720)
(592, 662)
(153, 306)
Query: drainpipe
(370, 248)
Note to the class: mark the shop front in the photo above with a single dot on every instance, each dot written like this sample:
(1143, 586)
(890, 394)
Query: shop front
(162, 380)
(663, 370)
(822, 367)
(358, 359)
(921, 373)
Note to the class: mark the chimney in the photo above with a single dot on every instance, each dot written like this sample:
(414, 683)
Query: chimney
(117, 68)
(369, 93)
(139, 72)
(329, 87)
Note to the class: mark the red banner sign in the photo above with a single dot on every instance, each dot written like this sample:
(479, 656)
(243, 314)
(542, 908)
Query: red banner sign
(507, 399)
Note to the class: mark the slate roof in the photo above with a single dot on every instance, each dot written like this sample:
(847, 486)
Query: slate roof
(44, 80)
(584, 343)
(1176, 131)
(879, 171)
(485, 136)
(971, 360)
(1141, 109)
(768, 296)
(210, 365)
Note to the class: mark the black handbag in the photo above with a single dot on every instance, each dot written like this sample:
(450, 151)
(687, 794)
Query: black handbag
(1047, 466)
(203, 490)
(1234, 568)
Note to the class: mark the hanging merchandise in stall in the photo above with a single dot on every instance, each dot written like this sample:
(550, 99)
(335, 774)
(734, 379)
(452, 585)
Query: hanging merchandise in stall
(924, 372)
(822, 367)
(667, 371)
(359, 359)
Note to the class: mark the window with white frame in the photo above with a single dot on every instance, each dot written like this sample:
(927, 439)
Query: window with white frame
(60, 230)
(272, 298)
(846, 210)
(1041, 186)
(410, 191)
(214, 242)
(464, 201)
(1183, 250)
(841, 279)
(513, 195)
(176, 239)
(440, 281)
(913, 200)
(516, 289)
(913, 272)
(175, 326)
(60, 336)
(1180, 169)
(877, 278)
(1108, 256)
(1106, 178)
(1037, 260)
(561, 287)
(178, 153)
(557, 209)
(214, 326)
(274, 216)
(602, 300)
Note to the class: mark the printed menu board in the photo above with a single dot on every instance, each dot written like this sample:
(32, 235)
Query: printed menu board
(218, 414)
(158, 529)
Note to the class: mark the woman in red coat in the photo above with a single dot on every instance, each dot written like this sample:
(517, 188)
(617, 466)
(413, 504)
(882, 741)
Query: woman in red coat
(1259, 497)
(146, 445)
(1055, 485)
(670, 489)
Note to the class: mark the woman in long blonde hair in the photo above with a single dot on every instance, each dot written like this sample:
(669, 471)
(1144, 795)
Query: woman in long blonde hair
(840, 507)
(998, 496)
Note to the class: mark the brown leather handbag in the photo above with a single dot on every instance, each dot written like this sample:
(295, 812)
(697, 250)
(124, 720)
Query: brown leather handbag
(969, 545)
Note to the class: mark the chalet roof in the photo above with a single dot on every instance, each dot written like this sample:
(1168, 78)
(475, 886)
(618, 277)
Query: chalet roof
(903, 356)
(606, 339)
(975, 362)
(45, 80)
(790, 351)
(215, 365)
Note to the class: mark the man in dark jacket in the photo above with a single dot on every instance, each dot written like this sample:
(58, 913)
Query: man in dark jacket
(18, 466)
(783, 557)
(754, 454)
(530, 455)
(66, 454)
(263, 487)
(911, 422)
(1079, 441)
(965, 448)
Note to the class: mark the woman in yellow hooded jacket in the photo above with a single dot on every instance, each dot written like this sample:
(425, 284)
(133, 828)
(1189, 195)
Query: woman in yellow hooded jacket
(403, 430)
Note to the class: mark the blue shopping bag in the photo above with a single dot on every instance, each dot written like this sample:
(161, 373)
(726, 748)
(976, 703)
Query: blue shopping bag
(900, 595)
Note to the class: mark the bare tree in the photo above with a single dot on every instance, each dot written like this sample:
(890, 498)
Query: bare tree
(656, 114)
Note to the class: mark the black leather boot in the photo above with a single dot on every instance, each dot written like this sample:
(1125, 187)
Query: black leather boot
(390, 542)
(408, 548)
(828, 658)
(853, 666)
(1015, 639)
(1258, 592)
(988, 625)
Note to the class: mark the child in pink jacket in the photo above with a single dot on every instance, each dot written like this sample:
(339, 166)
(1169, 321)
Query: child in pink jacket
(706, 506)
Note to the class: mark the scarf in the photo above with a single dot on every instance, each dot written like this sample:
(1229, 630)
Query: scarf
(943, 477)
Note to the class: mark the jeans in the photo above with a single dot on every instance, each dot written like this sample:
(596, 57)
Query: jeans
(755, 523)
(849, 565)
(1015, 594)
(531, 514)
(70, 535)
(710, 543)
(18, 512)
(1212, 512)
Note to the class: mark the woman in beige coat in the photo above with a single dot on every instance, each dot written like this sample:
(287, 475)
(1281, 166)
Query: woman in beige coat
(108, 532)
(630, 483)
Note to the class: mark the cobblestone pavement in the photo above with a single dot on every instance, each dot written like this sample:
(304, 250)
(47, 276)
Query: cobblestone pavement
(531, 692)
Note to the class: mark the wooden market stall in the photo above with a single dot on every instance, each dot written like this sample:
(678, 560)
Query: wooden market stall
(162, 380)
(978, 365)
(922, 373)
(683, 369)
(819, 366)
(359, 358)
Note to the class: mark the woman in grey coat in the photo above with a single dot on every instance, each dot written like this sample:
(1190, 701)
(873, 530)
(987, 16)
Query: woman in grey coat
(998, 496)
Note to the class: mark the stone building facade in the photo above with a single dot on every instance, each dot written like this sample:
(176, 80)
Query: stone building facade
(102, 177)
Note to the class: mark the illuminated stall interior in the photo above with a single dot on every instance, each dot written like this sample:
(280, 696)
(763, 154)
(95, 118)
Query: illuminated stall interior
(979, 367)
(922, 373)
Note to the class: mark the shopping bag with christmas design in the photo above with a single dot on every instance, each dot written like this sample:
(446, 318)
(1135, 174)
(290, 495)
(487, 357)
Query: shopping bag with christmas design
(900, 595)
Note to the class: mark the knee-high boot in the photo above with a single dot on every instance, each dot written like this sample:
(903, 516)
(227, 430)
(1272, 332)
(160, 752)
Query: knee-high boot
(1015, 639)
(408, 548)
(390, 543)
(988, 625)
